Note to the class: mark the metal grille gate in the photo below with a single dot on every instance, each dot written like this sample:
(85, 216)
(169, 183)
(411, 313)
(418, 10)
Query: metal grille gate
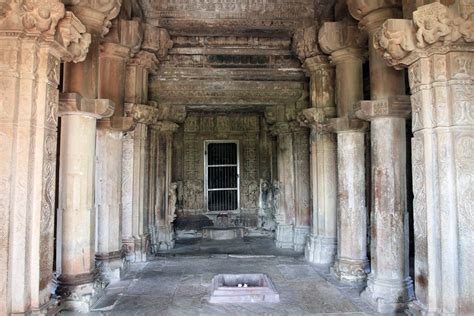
(222, 171)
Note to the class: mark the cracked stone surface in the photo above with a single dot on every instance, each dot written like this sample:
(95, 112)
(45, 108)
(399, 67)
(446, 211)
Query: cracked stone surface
(179, 284)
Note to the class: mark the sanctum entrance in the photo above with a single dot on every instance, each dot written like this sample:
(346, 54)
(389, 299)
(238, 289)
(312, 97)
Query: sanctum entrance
(222, 175)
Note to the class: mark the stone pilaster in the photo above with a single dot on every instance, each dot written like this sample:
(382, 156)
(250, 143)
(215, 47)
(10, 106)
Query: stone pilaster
(343, 41)
(164, 211)
(389, 286)
(134, 218)
(285, 199)
(440, 73)
(76, 212)
(33, 43)
(321, 244)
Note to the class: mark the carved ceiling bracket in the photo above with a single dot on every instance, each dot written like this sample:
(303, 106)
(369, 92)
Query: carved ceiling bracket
(96, 15)
(435, 29)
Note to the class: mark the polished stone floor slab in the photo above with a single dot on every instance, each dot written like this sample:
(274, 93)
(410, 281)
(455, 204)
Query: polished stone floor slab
(180, 285)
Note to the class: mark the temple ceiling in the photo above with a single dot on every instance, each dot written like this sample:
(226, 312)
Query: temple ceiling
(231, 54)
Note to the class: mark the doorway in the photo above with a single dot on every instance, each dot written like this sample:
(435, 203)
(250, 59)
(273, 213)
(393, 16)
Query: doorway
(222, 176)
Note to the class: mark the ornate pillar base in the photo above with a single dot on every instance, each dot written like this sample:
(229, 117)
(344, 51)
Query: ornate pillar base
(350, 270)
(300, 235)
(320, 250)
(79, 292)
(110, 267)
(284, 236)
(388, 296)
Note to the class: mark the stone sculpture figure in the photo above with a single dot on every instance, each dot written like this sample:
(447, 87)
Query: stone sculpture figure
(172, 202)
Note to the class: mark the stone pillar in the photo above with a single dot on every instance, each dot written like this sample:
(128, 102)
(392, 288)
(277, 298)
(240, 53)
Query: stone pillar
(285, 199)
(134, 218)
(321, 244)
(389, 286)
(301, 186)
(33, 43)
(76, 199)
(440, 73)
(114, 54)
(343, 41)
(152, 180)
(164, 209)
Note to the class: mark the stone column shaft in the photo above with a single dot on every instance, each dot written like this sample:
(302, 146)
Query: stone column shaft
(76, 201)
(440, 72)
(351, 262)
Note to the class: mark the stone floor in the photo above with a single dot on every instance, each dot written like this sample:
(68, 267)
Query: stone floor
(178, 283)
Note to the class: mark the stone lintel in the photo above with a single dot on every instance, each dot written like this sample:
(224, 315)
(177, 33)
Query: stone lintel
(361, 9)
(435, 29)
(173, 113)
(334, 36)
(122, 123)
(165, 126)
(113, 50)
(394, 106)
(345, 124)
(73, 103)
(96, 15)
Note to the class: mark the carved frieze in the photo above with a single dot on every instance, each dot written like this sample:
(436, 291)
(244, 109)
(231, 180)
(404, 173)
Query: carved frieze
(228, 16)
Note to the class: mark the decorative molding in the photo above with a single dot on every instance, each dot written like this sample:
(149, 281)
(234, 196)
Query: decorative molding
(435, 29)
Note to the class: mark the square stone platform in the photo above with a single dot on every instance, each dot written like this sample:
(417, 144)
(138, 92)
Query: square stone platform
(243, 288)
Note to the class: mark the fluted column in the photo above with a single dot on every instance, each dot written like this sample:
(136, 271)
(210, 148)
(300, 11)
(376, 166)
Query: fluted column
(389, 287)
(321, 244)
(343, 41)
(76, 211)
(34, 39)
(441, 82)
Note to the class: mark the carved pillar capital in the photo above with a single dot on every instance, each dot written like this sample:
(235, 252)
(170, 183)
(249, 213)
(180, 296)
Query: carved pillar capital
(342, 40)
(316, 64)
(172, 113)
(305, 42)
(156, 40)
(280, 128)
(165, 127)
(113, 50)
(141, 113)
(144, 59)
(372, 13)
(128, 33)
(73, 103)
(47, 20)
(394, 106)
(345, 124)
(435, 29)
(96, 15)
(316, 118)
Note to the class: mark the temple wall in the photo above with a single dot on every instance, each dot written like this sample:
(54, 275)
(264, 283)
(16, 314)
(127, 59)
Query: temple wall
(189, 165)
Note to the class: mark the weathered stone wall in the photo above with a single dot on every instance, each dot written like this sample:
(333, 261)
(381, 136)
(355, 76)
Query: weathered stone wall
(189, 164)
